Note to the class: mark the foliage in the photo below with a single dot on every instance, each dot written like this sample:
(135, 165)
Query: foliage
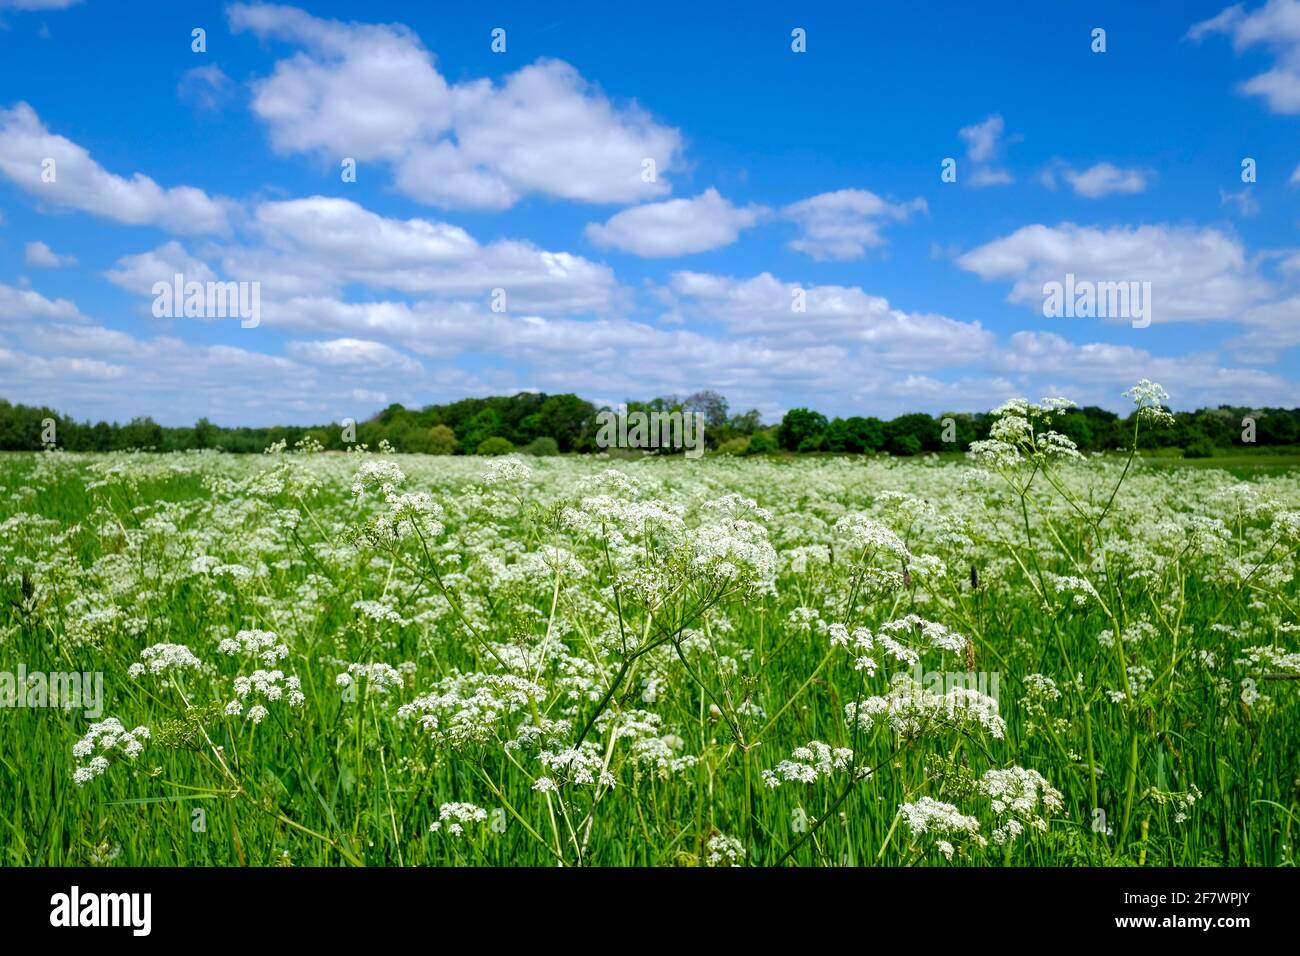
(494, 446)
(460, 427)
(1032, 657)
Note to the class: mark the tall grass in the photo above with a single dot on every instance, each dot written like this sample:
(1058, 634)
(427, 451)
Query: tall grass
(1140, 627)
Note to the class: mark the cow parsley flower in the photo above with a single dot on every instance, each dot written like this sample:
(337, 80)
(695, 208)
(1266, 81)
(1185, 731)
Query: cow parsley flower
(811, 763)
(509, 469)
(1149, 400)
(723, 850)
(413, 513)
(929, 817)
(380, 612)
(469, 709)
(1020, 798)
(379, 676)
(377, 473)
(263, 687)
(579, 765)
(913, 711)
(159, 659)
(867, 534)
(264, 645)
(1181, 801)
(104, 741)
(456, 816)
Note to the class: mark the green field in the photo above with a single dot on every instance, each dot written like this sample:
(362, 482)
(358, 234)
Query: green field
(347, 659)
(1241, 462)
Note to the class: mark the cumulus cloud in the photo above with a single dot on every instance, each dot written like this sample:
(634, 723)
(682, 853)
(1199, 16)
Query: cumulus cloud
(677, 226)
(1269, 330)
(26, 305)
(374, 93)
(319, 244)
(41, 256)
(1275, 26)
(77, 366)
(1097, 372)
(844, 224)
(207, 87)
(785, 315)
(138, 273)
(318, 247)
(27, 148)
(1104, 179)
(757, 352)
(985, 144)
(37, 4)
(352, 354)
(1194, 273)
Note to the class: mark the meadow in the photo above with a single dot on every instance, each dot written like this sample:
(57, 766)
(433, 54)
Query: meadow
(1025, 657)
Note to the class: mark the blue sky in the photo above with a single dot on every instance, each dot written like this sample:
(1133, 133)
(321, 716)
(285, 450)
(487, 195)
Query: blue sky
(776, 172)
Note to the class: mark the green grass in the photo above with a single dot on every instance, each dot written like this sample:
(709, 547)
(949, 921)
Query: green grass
(1241, 462)
(99, 564)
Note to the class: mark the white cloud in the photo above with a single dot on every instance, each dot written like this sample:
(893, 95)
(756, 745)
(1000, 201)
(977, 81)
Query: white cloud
(1096, 373)
(985, 176)
(844, 317)
(764, 357)
(43, 257)
(206, 87)
(844, 224)
(77, 367)
(138, 273)
(1243, 201)
(81, 183)
(677, 226)
(317, 247)
(1194, 273)
(1276, 27)
(373, 93)
(352, 354)
(984, 145)
(983, 139)
(1271, 329)
(37, 4)
(25, 305)
(319, 244)
(1221, 22)
(1104, 179)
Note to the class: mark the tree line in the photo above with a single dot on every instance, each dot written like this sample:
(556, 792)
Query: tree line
(540, 424)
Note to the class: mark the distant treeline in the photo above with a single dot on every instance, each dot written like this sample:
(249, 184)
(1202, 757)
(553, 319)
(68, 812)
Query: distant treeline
(550, 424)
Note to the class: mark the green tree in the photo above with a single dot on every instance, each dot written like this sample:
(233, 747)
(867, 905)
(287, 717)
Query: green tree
(543, 446)
(205, 434)
(141, 433)
(746, 423)
(442, 440)
(567, 418)
(904, 443)
(911, 434)
(763, 443)
(801, 428)
(864, 434)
